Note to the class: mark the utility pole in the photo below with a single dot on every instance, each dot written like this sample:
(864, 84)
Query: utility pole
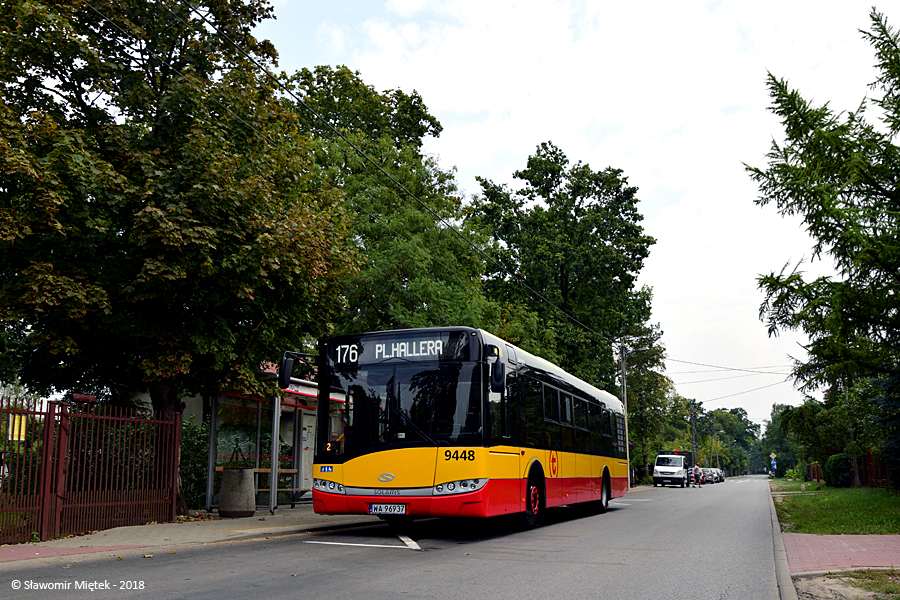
(718, 466)
(694, 436)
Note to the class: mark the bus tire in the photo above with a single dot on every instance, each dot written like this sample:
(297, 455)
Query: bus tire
(534, 501)
(603, 503)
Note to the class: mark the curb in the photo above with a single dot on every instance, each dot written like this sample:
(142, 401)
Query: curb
(43, 550)
(786, 589)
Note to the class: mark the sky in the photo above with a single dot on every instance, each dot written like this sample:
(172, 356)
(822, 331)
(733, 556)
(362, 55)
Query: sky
(674, 94)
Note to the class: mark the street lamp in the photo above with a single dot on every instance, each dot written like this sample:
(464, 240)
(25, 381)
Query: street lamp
(624, 354)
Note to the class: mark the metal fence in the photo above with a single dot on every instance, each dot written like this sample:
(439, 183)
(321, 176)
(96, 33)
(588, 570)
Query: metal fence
(72, 468)
(873, 470)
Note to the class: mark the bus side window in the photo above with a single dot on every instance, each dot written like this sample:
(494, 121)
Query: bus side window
(512, 414)
(495, 407)
(594, 414)
(552, 436)
(582, 439)
(606, 440)
(568, 433)
(532, 411)
(551, 404)
(620, 429)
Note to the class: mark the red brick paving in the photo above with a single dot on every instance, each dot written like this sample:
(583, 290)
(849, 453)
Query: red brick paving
(807, 552)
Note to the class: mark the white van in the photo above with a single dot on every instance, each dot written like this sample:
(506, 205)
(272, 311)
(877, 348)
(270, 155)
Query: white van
(671, 469)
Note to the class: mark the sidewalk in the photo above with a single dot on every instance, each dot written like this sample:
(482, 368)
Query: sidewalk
(804, 555)
(808, 554)
(262, 525)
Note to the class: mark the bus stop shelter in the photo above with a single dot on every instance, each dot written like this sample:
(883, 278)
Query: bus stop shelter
(247, 432)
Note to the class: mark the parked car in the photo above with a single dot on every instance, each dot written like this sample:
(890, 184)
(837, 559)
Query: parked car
(670, 469)
(708, 476)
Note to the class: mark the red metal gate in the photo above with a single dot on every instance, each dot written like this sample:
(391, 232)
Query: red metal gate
(73, 468)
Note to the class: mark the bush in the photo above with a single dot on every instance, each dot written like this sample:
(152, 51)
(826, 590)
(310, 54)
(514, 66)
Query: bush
(194, 462)
(837, 471)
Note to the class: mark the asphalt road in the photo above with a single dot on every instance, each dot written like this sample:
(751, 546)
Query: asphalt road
(714, 542)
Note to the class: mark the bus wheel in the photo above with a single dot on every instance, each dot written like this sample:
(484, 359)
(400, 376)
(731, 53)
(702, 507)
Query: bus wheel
(604, 496)
(532, 504)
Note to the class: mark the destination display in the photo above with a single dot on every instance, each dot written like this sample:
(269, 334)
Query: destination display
(418, 347)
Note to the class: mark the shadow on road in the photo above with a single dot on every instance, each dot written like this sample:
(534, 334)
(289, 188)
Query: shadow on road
(457, 530)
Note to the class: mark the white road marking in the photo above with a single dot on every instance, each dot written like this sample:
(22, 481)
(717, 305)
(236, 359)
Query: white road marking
(363, 545)
(410, 543)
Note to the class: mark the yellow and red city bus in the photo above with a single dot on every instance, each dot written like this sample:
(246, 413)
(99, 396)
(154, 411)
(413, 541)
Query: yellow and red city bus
(453, 421)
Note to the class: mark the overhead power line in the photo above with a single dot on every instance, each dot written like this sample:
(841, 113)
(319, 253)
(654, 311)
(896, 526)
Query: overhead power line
(727, 378)
(744, 392)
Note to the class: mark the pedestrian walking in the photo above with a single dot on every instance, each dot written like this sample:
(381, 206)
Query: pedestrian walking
(695, 476)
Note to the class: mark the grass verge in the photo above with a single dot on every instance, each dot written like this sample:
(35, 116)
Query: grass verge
(876, 581)
(837, 511)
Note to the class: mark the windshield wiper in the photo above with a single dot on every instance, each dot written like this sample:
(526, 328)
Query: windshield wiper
(415, 428)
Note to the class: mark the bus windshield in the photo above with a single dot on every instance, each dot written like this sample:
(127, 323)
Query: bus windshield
(404, 405)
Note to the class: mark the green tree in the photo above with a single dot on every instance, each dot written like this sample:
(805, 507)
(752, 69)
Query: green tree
(338, 98)
(162, 225)
(732, 436)
(838, 172)
(778, 440)
(675, 432)
(572, 235)
(414, 269)
(648, 391)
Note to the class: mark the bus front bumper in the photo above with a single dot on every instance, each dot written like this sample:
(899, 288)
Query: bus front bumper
(482, 503)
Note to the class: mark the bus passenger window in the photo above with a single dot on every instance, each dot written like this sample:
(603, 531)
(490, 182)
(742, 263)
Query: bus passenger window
(534, 424)
(495, 403)
(551, 404)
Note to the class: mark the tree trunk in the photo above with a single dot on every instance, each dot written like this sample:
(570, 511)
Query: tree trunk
(854, 469)
(164, 399)
(207, 408)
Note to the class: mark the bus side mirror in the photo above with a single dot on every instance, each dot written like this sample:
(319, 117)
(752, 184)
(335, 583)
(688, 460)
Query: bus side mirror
(284, 373)
(498, 376)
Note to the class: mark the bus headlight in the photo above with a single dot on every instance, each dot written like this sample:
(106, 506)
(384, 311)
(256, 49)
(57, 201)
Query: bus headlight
(332, 487)
(461, 486)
